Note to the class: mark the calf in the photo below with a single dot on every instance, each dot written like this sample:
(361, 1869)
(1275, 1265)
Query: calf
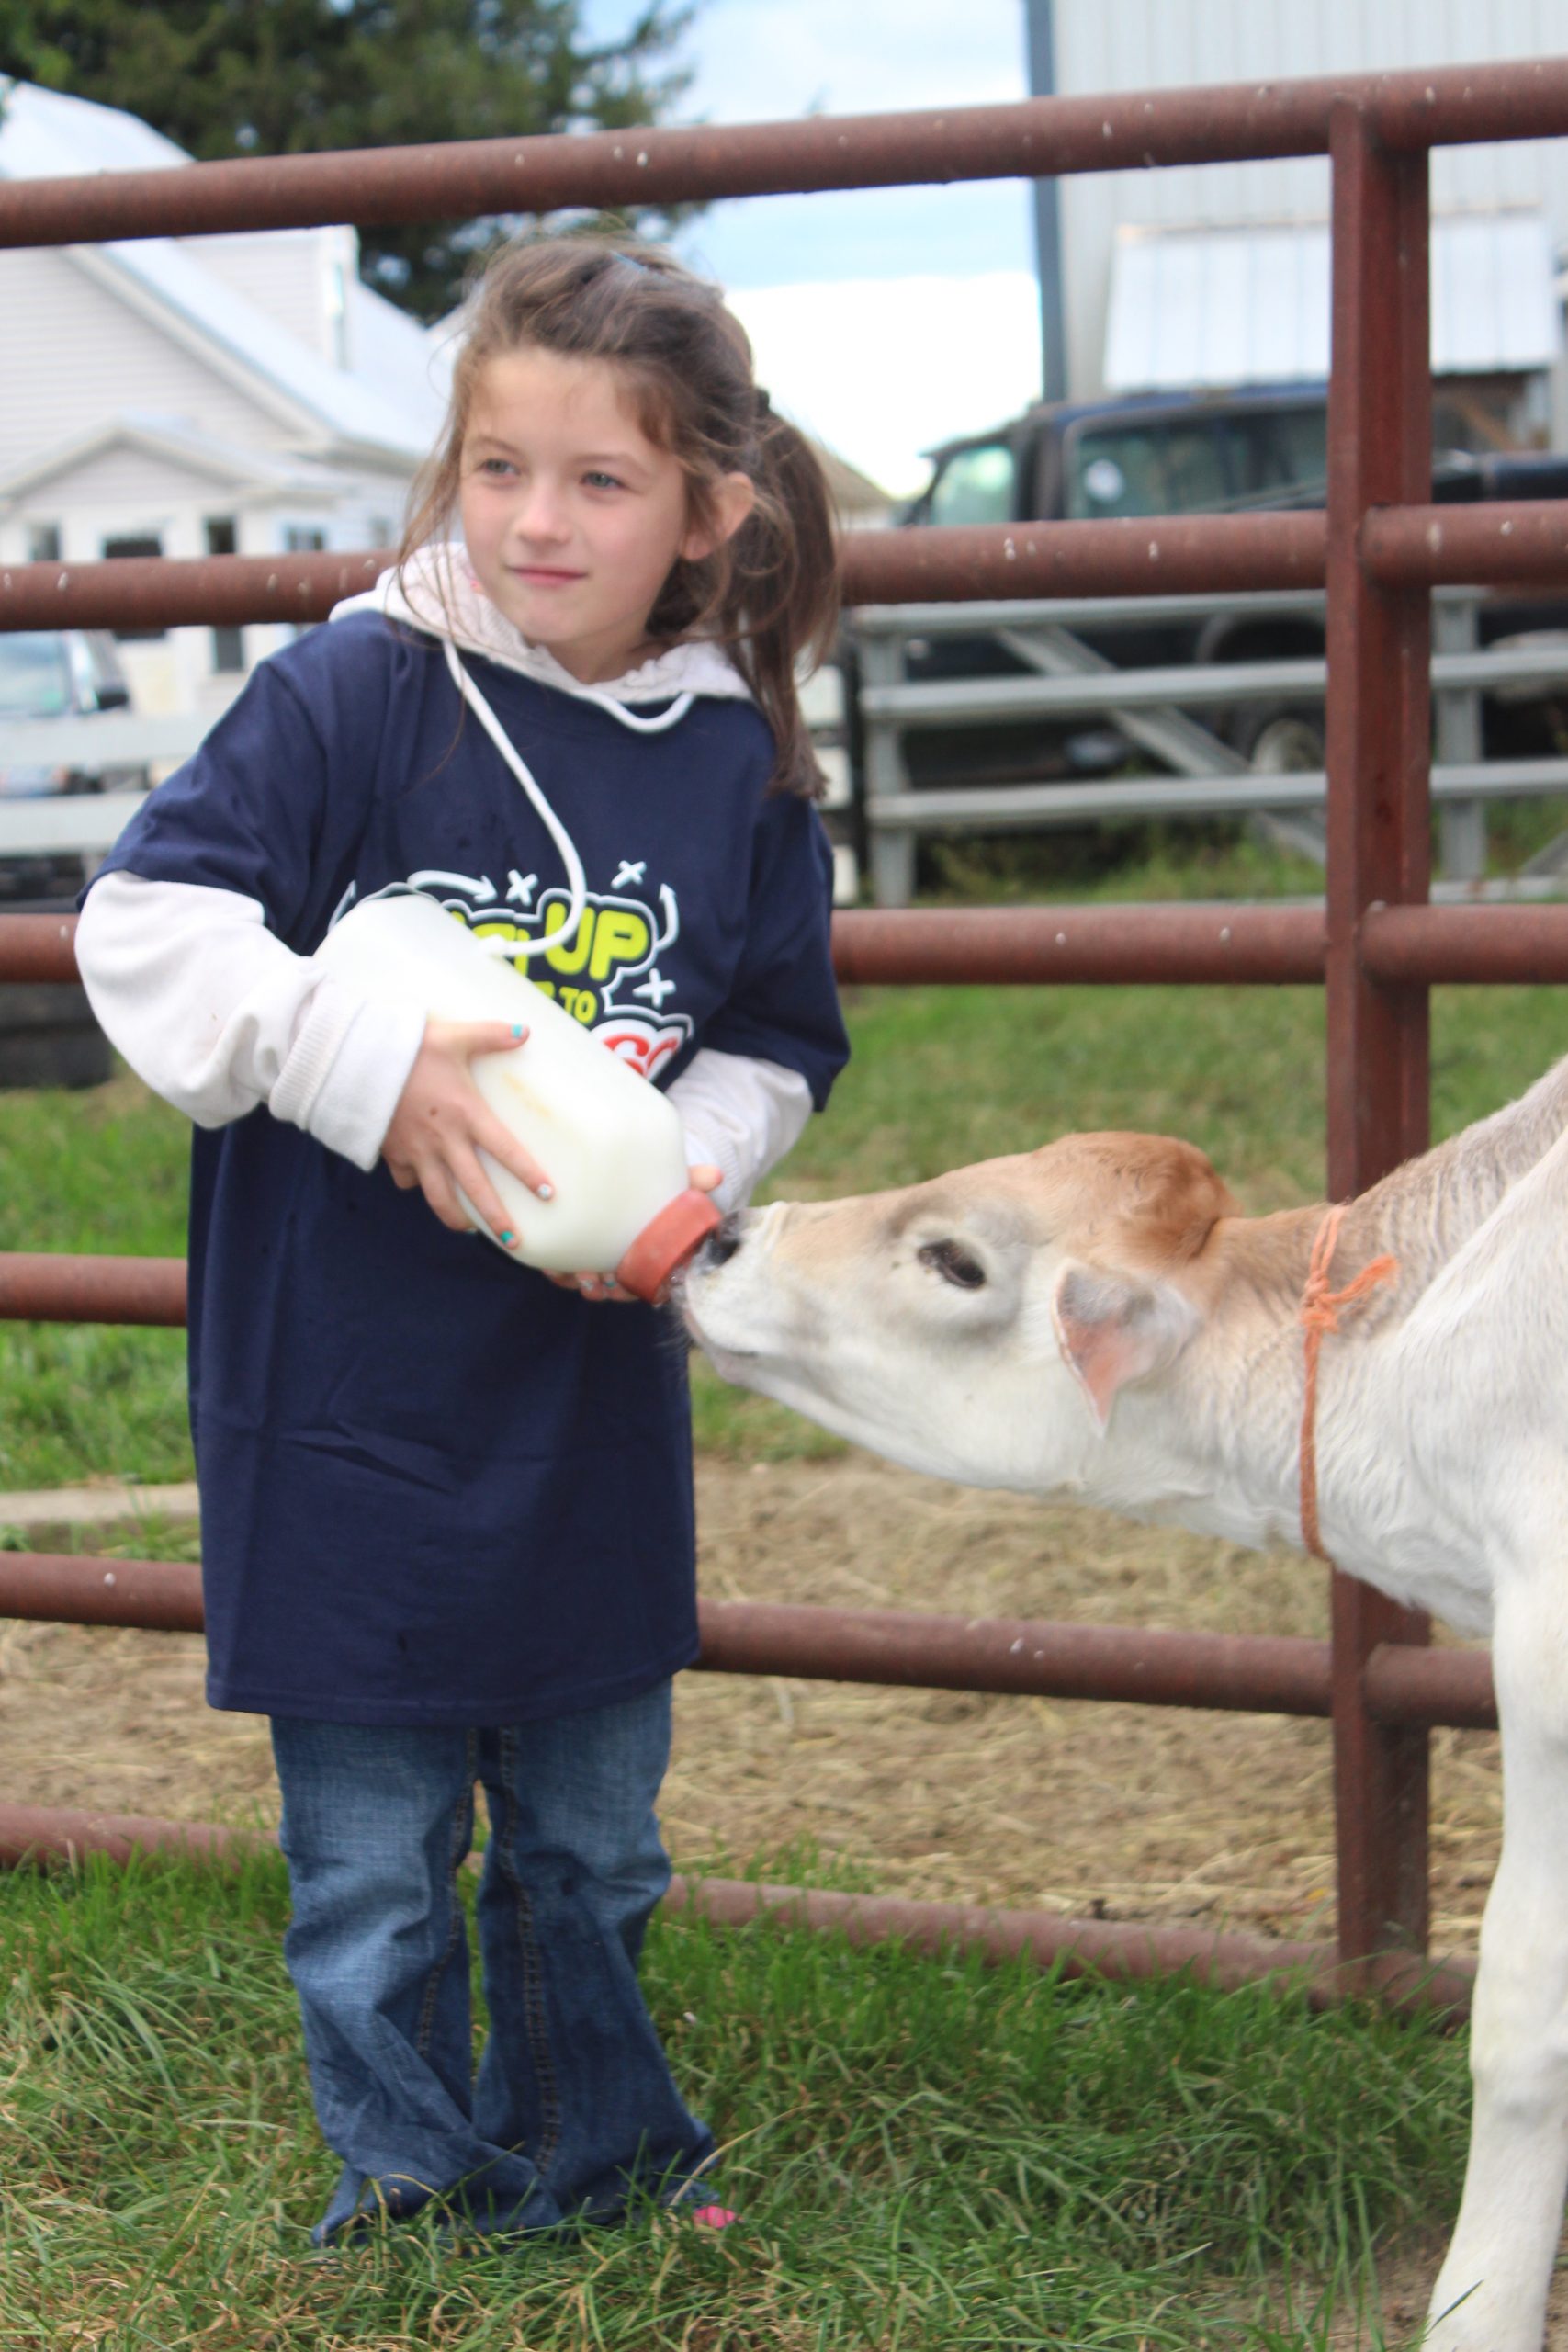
(1097, 1319)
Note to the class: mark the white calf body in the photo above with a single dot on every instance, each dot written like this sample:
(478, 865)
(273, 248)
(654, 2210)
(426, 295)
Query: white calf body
(1095, 1319)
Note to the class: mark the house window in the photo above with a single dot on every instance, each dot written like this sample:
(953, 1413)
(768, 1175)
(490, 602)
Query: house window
(228, 641)
(147, 543)
(43, 543)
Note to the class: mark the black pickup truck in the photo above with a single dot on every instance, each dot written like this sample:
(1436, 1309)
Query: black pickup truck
(1183, 453)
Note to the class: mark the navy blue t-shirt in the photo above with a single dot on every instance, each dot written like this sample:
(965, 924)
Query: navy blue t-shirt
(437, 1488)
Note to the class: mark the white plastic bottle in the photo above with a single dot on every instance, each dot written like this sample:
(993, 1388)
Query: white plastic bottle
(611, 1144)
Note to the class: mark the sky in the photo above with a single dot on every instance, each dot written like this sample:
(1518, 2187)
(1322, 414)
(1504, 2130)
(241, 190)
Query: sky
(883, 320)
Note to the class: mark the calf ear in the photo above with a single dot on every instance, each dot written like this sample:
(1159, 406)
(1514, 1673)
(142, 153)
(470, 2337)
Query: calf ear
(1113, 1329)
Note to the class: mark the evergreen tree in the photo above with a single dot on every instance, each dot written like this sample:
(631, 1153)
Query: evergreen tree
(288, 77)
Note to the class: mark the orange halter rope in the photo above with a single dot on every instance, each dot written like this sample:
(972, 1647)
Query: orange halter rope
(1320, 1313)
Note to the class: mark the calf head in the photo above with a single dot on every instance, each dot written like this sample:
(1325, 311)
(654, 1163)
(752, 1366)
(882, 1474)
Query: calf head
(981, 1326)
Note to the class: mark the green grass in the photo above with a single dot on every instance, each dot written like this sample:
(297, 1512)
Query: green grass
(940, 1076)
(1129, 858)
(104, 1170)
(930, 2155)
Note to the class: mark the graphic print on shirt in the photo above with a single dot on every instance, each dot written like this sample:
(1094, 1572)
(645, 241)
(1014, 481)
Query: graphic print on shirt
(606, 975)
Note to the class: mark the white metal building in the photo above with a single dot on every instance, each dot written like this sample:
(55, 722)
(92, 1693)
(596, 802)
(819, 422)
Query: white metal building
(1218, 274)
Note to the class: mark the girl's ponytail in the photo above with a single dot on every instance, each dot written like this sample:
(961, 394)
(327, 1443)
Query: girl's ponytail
(769, 593)
(784, 605)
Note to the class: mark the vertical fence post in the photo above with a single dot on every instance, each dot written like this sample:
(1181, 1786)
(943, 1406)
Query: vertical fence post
(891, 850)
(1461, 824)
(1379, 728)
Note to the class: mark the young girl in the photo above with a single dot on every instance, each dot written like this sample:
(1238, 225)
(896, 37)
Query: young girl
(446, 1502)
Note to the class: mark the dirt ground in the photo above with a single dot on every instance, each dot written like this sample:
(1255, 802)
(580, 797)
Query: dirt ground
(1127, 1813)
(1404, 2285)
(1124, 1812)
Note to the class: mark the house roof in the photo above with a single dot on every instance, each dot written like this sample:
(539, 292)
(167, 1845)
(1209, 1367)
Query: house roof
(405, 359)
(275, 367)
(46, 135)
(854, 493)
(251, 470)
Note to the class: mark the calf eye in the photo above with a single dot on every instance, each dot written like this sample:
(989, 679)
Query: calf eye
(954, 1263)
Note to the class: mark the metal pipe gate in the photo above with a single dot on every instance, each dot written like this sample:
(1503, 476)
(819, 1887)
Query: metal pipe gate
(1377, 947)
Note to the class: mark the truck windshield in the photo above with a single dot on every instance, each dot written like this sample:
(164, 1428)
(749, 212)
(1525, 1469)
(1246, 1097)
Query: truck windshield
(1190, 465)
(975, 486)
(1151, 468)
(1280, 449)
(35, 675)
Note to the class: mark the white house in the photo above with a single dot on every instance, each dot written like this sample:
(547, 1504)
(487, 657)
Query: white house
(1218, 274)
(238, 394)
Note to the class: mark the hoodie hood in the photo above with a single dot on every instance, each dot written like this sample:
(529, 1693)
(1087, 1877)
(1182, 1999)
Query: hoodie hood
(439, 595)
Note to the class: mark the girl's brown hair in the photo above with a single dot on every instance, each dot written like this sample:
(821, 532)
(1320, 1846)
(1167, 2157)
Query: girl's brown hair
(769, 592)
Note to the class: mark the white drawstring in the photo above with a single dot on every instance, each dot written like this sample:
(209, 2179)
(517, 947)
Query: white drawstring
(656, 721)
(520, 949)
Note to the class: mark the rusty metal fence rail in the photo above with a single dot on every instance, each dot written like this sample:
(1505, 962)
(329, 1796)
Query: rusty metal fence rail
(1375, 948)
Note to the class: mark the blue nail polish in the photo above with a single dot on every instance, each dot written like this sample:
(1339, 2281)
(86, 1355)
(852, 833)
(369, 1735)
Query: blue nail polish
(517, 1028)
(546, 1192)
(508, 1240)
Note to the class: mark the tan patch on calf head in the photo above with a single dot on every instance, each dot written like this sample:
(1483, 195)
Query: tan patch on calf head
(1148, 1202)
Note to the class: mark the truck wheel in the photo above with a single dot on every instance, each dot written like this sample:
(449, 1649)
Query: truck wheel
(1277, 741)
(48, 1037)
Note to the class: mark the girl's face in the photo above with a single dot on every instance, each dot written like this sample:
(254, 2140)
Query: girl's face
(572, 517)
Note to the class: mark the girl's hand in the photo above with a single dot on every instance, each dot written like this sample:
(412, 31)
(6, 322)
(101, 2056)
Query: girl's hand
(442, 1122)
(597, 1287)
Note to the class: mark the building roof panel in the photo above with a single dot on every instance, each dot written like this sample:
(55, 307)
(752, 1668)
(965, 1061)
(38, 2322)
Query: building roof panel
(1210, 306)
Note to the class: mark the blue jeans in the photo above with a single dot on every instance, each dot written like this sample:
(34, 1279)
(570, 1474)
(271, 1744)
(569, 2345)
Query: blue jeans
(573, 2109)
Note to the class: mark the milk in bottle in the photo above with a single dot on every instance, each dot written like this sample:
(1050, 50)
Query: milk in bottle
(610, 1143)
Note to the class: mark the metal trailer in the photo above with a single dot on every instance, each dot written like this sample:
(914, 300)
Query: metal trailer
(1201, 773)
